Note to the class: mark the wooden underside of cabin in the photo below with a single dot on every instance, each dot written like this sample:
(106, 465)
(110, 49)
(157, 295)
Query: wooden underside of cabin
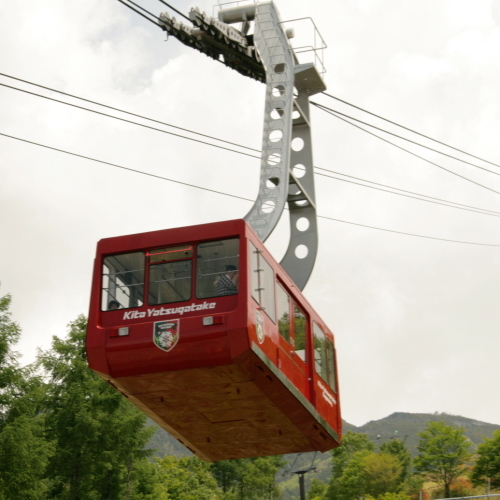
(242, 410)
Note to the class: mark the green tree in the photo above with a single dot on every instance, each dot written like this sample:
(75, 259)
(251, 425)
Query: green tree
(443, 451)
(317, 490)
(24, 449)
(382, 474)
(355, 446)
(9, 364)
(352, 483)
(148, 481)
(188, 478)
(397, 448)
(98, 433)
(488, 462)
(248, 478)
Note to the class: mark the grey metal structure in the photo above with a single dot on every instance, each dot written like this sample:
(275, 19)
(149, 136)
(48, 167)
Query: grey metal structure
(286, 163)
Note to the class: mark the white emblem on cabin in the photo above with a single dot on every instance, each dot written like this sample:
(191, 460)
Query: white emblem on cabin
(166, 334)
(259, 326)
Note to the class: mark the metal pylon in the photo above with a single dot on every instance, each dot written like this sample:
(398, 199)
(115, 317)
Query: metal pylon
(286, 163)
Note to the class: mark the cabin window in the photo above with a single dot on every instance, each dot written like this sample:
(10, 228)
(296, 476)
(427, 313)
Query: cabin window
(283, 307)
(123, 281)
(299, 332)
(324, 357)
(263, 284)
(169, 282)
(217, 268)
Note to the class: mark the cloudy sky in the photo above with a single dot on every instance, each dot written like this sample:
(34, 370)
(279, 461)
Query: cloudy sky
(416, 319)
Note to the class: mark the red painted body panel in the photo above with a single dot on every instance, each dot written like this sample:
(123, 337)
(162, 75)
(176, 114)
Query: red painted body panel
(202, 351)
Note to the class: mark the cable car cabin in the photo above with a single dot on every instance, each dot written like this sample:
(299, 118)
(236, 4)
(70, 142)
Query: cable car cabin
(203, 331)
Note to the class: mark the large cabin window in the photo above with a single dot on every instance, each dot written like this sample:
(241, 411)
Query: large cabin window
(263, 284)
(299, 332)
(123, 281)
(283, 307)
(217, 266)
(170, 270)
(324, 360)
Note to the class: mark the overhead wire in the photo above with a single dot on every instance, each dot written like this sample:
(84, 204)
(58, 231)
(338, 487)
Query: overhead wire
(408, 151)
(127, 121)
(409, 196)
(411, 130)
(404, 190)
(126, 112)
(326, 108)
(236, 196)
(140, 13)
(445, 202)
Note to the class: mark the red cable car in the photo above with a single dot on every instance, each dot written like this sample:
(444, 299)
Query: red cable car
(204, 331)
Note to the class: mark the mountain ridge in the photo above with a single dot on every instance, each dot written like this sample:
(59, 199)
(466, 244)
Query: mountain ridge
(397, 425)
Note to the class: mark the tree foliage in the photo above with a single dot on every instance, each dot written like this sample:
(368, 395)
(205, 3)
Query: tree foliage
(248, 478)
(98, 434)
(382, 474)
(488, 461)
(24, 449)
(443, 451)
(397, 448)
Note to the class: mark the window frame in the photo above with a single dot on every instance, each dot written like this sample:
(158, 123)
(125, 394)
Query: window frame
(195, 258)
(269, 309)
(328, 364)
(106, 290)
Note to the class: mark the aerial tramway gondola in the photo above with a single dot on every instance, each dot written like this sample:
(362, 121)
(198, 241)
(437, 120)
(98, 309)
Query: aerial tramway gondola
(199, 326)
(230, 372)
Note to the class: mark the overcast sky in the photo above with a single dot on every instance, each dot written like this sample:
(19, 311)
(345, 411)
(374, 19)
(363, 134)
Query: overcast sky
(416, 320)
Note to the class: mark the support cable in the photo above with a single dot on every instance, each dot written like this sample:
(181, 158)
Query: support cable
(405, 191)
(144, 10)
(127, 121)
(410, 130)
(409, 196)
(481, 210)
(236, 196)
(126, 112)
(326, 108)
(410, 152)
(175, 10)
(140, 13)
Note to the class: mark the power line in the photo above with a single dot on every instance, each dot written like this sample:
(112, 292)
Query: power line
(409, 234)
(140, 13)
(326, 108)
(410, 152)
(127, 121)
(410, 130)
(477, 209)
(126, 112)
(124, 168)
(409, 196)
(232, 195)
(405, 191)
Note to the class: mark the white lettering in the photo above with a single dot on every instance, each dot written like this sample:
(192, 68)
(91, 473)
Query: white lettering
(165, 312)
(326, 395)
